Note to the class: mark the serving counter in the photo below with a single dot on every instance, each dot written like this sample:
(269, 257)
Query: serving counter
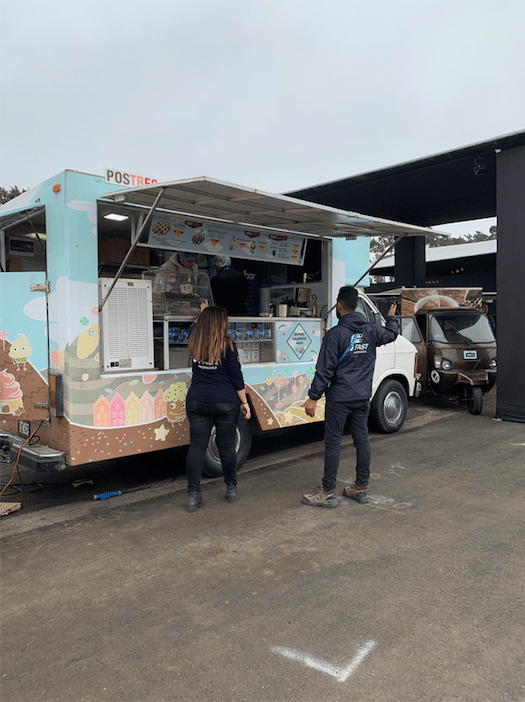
(258, 339)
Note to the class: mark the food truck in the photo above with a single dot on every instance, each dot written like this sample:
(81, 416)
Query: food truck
(94, 327)
(457, 351)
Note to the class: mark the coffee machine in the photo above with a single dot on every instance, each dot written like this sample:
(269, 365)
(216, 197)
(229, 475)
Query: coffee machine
(305, 302)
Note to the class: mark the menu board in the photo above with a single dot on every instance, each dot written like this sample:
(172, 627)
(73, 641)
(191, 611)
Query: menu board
(212, 239)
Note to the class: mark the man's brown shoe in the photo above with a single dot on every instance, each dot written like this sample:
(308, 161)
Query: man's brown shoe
(359, 494)
(320, 498)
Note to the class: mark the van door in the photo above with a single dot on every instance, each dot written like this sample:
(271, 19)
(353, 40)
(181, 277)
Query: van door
(411, 331)
(24, 346)
(385, 355)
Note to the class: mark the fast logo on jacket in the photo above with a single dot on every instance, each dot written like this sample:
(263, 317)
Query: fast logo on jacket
(358, 345)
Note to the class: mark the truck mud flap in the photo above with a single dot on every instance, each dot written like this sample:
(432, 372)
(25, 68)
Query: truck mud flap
(35, 456)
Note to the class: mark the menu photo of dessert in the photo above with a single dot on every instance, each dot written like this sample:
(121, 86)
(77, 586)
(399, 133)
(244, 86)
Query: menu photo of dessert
(161, 228)
(198, 237)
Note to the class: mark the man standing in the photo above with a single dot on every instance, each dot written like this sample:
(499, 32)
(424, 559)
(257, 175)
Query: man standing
(230, 288)
(344, 372)
(485, 310)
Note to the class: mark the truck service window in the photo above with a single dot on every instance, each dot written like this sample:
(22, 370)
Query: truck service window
(24, 245)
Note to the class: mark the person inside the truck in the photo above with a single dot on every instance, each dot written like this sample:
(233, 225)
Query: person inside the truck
(492, 322)
(230, 287)
(177, 262)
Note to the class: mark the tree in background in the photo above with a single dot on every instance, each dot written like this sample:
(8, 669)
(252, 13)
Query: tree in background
(6, 195)
(379, 244)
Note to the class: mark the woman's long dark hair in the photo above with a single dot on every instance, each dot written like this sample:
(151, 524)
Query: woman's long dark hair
(208, 339)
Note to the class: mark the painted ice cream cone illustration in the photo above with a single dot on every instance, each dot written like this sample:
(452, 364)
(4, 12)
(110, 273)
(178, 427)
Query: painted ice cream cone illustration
(10, 394)
(20, 351)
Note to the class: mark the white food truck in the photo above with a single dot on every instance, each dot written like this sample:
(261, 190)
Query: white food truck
(93, 353)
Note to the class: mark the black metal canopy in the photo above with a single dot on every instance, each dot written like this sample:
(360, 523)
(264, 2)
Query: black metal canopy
(454, 186)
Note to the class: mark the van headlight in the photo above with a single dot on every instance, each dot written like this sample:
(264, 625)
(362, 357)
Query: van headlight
(442, 363)
(493, 363)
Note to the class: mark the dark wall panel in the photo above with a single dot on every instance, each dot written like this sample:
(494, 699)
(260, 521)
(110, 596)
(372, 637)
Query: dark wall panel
(409, 264)
(511, 284)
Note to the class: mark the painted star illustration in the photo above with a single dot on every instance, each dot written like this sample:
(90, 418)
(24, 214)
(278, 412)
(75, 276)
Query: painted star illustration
(270, 422)
(161, 433)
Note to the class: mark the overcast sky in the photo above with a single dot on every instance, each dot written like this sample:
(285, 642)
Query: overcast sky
(273, 94)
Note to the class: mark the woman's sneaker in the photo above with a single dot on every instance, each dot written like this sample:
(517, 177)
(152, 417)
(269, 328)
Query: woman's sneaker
(320, 498)
(195, 499)
(359, 494)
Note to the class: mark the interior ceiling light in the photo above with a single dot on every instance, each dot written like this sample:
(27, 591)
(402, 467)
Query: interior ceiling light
(115, 217)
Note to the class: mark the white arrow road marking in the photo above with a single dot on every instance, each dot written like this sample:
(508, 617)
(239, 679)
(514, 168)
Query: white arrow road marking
(336, 671)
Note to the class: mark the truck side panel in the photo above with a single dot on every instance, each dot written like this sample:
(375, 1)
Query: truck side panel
(24, 391)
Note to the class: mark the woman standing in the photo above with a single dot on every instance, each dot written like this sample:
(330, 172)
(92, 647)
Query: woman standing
(215, 397)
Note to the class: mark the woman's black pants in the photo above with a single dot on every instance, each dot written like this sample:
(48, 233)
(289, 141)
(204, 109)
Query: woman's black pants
(202, 416)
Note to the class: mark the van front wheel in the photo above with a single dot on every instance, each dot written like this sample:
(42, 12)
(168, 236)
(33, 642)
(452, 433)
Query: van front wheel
(475, 399)
(243, 441)
(389, 407)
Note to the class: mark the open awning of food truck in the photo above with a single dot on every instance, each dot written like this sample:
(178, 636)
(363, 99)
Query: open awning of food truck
(218, 200)
(20, 214)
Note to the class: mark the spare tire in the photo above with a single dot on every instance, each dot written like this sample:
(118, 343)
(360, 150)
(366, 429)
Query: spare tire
(243, 442)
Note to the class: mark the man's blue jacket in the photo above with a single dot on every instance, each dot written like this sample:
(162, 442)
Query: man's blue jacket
(347, 358)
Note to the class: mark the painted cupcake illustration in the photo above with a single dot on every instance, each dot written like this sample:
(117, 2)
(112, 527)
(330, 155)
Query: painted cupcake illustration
(11, 394)
(175, 399)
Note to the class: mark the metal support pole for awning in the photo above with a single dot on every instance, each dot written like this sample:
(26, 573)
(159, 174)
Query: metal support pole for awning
(133, 246)
(374, 264)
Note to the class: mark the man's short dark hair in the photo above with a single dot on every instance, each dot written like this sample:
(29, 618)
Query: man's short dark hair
(347, 296)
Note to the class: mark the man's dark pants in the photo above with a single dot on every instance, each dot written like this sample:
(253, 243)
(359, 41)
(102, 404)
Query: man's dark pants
(336, 415)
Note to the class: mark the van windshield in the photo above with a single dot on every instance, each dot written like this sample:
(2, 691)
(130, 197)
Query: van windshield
(472, 328)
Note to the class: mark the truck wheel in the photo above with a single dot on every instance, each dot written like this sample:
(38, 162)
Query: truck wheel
(475, 400)
(243, 441)
(389, 407)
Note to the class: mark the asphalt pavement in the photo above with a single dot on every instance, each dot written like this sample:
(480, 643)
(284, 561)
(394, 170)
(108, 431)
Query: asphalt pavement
(417, 596)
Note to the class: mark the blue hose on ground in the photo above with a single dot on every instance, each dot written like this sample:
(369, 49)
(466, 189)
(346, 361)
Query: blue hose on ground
(116, 493)
(107, 495)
